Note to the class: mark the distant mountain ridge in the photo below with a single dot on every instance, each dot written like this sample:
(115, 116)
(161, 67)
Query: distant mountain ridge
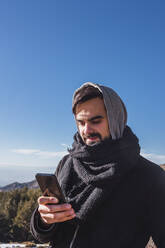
(30, 185)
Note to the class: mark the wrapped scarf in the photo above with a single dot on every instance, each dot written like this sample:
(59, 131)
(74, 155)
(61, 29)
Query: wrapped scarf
(91, 173)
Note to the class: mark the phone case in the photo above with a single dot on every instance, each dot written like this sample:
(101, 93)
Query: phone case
(49, 186)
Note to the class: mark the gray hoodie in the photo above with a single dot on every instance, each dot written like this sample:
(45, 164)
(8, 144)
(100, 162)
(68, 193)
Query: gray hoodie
(116, 110)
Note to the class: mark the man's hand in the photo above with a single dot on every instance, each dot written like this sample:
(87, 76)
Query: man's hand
(55, 212)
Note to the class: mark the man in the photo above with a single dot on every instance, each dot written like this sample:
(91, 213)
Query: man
(116, 198)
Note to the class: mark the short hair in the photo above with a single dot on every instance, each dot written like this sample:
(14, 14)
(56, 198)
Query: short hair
(84, 94)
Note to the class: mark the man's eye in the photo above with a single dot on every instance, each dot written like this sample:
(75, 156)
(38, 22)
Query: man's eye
(96, 122)
(81, 123)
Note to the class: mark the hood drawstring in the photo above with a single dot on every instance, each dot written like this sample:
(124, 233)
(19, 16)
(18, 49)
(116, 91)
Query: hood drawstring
(72, 245)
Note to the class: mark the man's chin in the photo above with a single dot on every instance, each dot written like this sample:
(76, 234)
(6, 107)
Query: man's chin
(94, 142)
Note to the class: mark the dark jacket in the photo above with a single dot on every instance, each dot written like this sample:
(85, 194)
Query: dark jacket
(134, 211)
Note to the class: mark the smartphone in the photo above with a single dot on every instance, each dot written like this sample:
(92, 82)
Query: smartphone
(49, 186)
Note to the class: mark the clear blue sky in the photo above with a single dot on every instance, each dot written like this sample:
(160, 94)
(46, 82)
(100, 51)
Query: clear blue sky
(49, 48)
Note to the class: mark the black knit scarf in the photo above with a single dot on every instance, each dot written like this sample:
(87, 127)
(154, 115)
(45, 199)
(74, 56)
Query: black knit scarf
(91, 173)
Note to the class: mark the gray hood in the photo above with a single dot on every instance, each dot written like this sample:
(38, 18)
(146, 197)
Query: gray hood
(116, 110)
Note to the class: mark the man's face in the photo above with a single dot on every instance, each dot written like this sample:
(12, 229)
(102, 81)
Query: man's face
(91, 120)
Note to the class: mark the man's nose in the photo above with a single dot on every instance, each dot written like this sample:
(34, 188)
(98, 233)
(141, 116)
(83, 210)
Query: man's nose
(88, 129)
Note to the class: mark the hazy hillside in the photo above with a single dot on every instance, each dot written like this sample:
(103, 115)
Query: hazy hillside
(30, 185)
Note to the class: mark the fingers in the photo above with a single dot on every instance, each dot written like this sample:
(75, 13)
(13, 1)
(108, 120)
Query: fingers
(55, 212)
(56, 217)
(47, 200)
(53, 208)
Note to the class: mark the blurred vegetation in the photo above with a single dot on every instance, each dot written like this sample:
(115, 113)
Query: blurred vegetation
(16, 208)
